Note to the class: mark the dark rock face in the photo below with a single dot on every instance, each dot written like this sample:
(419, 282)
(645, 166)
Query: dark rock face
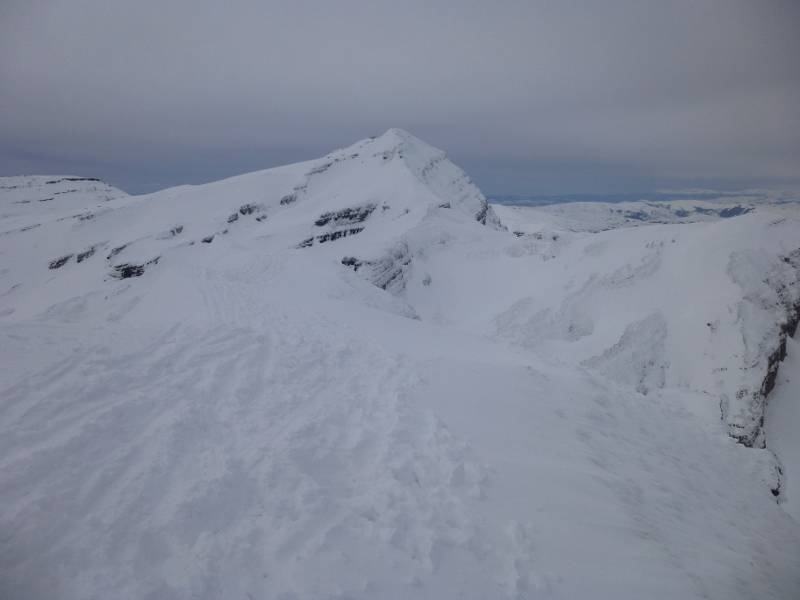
(788, 329)
(249, 209)
(128, 270)
(116, 251)
(59, 262)
(704, 211)
(288, 199)
(725, 213)
(346, 216)
(778, 479)
(329, 237)
(761, 396)
(72, 179)
(85, 254)
(233, 217)
(734, 211)
(208, 239)
(486, 216)
(335, 235)
(352, 261)
(320, 168)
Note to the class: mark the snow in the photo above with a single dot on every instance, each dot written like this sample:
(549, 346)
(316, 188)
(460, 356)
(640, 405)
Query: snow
(456, 412)
(601, 216)
(783, 423)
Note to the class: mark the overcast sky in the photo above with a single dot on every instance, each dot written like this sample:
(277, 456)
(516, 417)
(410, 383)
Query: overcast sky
(528, 96)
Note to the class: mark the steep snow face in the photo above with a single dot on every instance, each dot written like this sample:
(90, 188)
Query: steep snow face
(782, 423)
(724, 294)
(344, 379)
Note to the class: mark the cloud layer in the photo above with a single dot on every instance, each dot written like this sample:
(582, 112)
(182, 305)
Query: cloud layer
(541, 97)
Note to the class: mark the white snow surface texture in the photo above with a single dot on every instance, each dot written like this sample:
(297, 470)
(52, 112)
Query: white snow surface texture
(348, 378)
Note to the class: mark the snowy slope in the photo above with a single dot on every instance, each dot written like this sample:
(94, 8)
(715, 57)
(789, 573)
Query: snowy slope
(705, 306)
(601, 216)
(345, 379)
(376, 190)
(23, 199)
(782, 422)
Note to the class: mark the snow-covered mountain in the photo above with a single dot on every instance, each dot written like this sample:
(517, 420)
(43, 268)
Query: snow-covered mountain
(354, 378)
(712, 303)
(46, 197)
(600, 216)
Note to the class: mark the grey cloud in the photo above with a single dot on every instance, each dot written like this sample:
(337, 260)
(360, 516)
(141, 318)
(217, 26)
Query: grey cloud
(528, 96)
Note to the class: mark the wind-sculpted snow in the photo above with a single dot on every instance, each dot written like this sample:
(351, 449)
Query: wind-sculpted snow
(638, 358)
(529, 325)
(390, 272)
(346, 379)
(212, 458)
(726, 305)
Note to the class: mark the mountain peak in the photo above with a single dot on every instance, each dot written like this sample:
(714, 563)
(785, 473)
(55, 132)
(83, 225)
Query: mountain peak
(399, 142)
(400, 135)
(360, 201)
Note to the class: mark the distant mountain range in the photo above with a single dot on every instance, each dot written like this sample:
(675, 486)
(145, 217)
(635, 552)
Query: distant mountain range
(745, 196)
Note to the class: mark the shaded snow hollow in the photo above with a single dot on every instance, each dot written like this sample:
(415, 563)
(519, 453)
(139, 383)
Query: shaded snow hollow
(345, 378)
